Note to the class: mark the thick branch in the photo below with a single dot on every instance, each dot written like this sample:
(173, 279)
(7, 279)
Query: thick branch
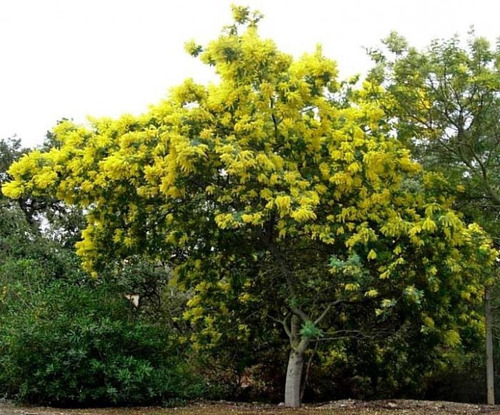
(298, 312)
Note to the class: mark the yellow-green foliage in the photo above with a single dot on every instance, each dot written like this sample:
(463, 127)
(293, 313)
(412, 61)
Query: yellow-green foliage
(267, 157)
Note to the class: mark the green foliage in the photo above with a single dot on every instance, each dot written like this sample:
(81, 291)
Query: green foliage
(445, 105)
(66, 340)
(68, 344)
(10, 151)
(310, 331)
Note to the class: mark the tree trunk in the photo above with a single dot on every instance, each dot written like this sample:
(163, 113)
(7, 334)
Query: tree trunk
(294, 378)
(490, 385)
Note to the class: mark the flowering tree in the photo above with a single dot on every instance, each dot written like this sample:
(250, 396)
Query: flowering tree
(267, 188)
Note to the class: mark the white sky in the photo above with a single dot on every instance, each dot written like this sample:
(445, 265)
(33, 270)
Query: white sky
(72, 58)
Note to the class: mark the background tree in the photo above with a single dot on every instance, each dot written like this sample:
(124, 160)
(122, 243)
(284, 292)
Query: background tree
(445, 102)
(268, 192)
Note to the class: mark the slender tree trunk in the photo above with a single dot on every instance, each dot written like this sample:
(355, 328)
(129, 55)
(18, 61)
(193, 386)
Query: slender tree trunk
(294, 378)
(298, 347)
(490, 385)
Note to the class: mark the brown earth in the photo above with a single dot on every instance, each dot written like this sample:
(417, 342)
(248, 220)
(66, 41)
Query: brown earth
(345, 407)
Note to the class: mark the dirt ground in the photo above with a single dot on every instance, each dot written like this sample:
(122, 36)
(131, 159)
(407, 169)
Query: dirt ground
(346, 407)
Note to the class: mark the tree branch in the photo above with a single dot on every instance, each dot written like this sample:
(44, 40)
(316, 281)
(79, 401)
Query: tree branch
(298, 312)
(325, 312)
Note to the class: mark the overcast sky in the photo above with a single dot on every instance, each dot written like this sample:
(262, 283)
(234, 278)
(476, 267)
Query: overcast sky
(72, 58)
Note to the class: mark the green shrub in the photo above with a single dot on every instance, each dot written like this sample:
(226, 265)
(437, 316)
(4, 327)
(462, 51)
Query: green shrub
(79, 344)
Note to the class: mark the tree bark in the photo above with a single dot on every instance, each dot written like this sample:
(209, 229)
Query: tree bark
(490, 385)
(298, 347)
(294, 378)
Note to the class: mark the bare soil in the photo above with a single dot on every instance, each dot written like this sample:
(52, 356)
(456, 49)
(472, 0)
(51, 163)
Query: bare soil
(345, 407)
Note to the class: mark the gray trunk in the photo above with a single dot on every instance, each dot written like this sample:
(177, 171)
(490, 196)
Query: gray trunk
(490, 383)
(294, 378)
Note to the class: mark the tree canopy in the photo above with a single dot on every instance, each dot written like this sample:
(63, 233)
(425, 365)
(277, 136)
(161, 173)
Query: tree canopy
(270, 192)
(445, 104)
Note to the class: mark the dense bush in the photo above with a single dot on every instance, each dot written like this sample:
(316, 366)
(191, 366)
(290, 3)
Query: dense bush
(66, 339)
(68, 344)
